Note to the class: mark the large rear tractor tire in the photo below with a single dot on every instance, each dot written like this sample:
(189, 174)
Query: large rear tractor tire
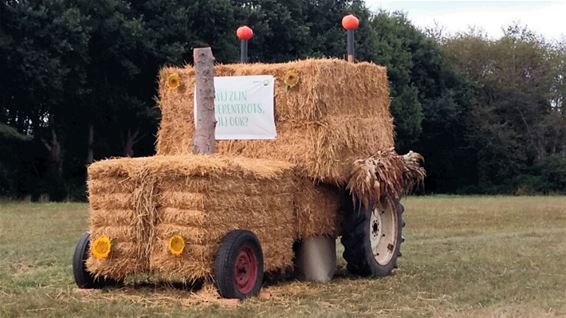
(238, 265)
(372, 238)
(84, 278)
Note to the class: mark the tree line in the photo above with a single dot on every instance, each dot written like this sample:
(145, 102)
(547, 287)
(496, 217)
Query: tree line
(78, 81)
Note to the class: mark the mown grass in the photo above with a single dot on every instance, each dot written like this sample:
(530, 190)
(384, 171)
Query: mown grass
(464, 257)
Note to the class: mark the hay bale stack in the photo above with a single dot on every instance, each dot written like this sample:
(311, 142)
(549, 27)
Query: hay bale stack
(318, 209)
(112, 213)
(140, 203)
(203, 198)
(338, 112)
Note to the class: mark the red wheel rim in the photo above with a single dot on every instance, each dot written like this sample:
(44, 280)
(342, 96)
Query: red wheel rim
(245, 270)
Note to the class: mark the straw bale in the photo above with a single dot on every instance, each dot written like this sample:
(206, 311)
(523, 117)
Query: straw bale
(198, 197)
(318, 209)
(127, 169)
(176, 183)
(124, 259)
(338, 112)
(109, 186)
(197, 261)
(202, 236)
(225, 213)
(109, 169)
(112, 213)
(116, 267)
(111, 217)
(182, 200)
(216, 203)
(111, 200)
(202, 198)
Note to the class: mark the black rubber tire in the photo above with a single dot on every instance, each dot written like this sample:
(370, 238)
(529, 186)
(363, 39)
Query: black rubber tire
(356, 240)
(228, 252)
(84, 278)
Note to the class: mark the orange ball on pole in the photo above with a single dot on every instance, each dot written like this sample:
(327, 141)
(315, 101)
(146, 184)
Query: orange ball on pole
(350, 22)
(244, 33)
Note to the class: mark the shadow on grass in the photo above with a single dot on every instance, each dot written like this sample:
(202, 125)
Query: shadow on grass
(271, 279)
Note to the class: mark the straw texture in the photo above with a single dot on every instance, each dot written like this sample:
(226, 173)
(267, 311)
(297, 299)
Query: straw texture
(336, 113)
(385, 177)
(140, 203)
(328, 115)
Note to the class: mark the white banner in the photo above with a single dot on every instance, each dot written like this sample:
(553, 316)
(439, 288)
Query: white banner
(244, 107)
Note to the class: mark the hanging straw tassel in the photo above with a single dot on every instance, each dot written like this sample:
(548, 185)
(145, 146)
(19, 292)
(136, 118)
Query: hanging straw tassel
(385, 176)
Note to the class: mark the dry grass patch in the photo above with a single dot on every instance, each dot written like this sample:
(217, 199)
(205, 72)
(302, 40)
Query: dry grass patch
(464, 257)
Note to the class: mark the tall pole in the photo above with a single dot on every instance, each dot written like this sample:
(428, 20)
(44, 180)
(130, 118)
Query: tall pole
(204, 141)
(243, 51)
(350, 45)
(244, 33)
(350, 23)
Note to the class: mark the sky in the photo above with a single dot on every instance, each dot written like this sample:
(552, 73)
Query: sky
(547, 18)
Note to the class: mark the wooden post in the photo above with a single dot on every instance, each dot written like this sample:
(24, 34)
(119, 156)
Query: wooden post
(204, 141)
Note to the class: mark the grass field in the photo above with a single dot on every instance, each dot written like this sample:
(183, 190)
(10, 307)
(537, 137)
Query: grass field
(464, 257)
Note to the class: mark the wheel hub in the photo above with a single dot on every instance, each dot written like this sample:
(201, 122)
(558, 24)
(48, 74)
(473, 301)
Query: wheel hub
(383, 234)
(245, 270)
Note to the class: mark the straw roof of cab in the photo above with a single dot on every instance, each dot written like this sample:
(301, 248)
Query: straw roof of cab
(337, 112)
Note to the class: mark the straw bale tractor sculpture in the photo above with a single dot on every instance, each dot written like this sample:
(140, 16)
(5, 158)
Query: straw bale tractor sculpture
(235, 214)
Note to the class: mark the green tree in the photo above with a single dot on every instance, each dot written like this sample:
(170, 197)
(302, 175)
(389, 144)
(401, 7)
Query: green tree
(39, 46)
(515, 114)
(429, 99)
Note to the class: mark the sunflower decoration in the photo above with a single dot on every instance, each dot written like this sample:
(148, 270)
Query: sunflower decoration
(101, 247)
(176, 245)
(173, 81)
(291, 78)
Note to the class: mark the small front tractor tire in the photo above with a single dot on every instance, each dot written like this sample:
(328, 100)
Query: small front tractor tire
(372, 238)
(238, 265)
(83, 278)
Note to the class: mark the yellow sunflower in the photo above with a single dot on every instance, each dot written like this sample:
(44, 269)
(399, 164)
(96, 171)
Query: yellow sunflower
(101, 247)
(173, 81)
(291, 78)
(176, 245)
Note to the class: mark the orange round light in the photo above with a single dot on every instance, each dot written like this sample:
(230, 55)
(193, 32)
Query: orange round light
(350, 22)
(244, 33)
